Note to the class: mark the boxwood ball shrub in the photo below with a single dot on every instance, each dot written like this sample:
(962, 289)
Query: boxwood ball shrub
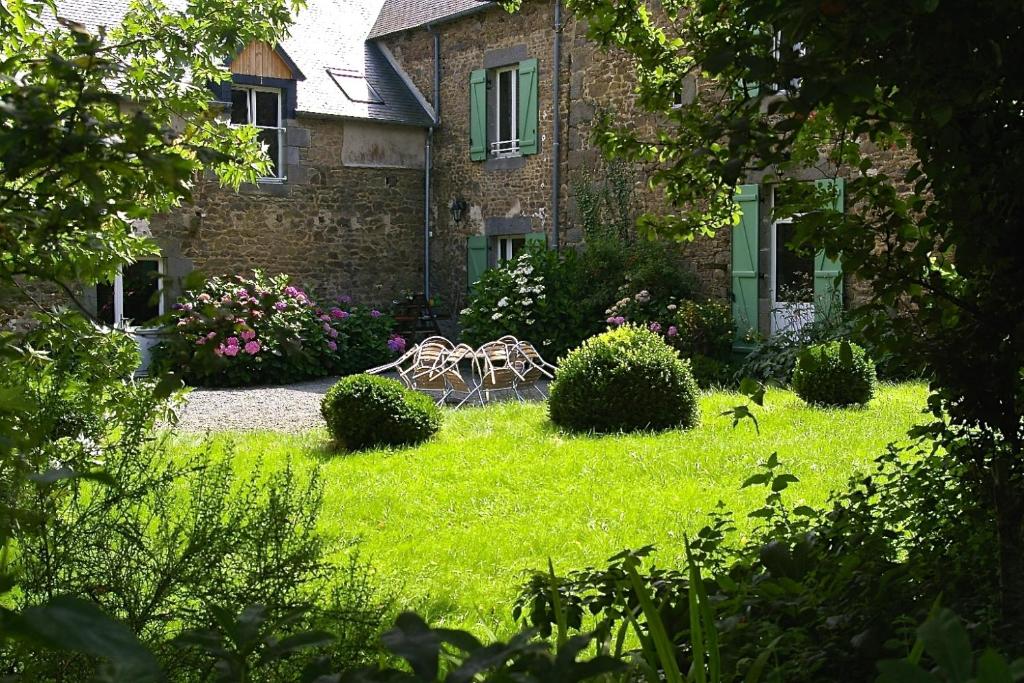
(837, 373)
(365, 410)
(626, 379)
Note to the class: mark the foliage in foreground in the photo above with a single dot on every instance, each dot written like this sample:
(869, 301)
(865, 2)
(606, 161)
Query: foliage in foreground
(265, 330)
(626, 379)
(892, 97)
(362, 411)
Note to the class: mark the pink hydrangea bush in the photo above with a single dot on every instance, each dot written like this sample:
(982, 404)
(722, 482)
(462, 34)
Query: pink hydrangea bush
(266, 330)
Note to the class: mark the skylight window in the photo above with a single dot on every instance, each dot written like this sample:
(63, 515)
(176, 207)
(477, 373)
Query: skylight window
(355, 86)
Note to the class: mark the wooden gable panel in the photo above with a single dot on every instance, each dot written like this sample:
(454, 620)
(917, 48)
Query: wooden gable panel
(260, 59)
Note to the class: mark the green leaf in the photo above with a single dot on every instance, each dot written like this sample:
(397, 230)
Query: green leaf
(71, 624)
(756, 480)
(945, 639)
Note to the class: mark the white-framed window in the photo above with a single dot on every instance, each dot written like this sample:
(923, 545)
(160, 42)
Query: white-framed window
(506, 112)
(508, 247)
(780, 51)
(135, 297)
(261, 107)
(791, 278)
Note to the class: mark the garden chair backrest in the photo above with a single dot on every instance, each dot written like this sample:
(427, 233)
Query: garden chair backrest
(432, 354)
(493, 368)
(536, 365)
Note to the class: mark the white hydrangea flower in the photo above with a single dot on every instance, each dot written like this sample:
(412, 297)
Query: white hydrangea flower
(496, 316)
(503, 302)
(527, 302)
(529, 321)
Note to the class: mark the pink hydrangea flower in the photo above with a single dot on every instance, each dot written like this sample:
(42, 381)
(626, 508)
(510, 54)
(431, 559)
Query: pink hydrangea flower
(204, 297)
(672, 331)
(327, 328)
(332, 346)
(247, 335)
(252, 348)
(211, 335)
(232, 341)
(229, 351)
(280, 305)
(200, 341)
(333, 333)
(375, 313)
(396, 343)
(325, 318)
(345, 299)
(655, 327)
(338, 313)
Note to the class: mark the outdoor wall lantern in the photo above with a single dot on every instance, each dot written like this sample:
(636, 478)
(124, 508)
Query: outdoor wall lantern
(456, 207)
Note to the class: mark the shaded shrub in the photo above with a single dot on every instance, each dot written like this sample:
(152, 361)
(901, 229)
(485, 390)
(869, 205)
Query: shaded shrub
(623, 380)
(365, 410)
(264, 330)
(835, 374)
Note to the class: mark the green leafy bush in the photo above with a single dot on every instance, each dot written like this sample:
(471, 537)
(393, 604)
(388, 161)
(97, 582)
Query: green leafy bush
(534, 297)
(626, 379)
(365, 410)
(835, 374)
(264, 330)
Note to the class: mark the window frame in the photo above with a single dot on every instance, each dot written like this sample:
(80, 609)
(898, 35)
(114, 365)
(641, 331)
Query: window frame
(251, 91)
(503, 247)
(118, 293)
(498, 148)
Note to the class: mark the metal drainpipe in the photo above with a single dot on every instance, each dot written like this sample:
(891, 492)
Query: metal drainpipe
(428, 163)
(556, 127)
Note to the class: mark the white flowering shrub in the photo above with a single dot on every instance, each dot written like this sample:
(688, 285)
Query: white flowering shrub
(536, 297)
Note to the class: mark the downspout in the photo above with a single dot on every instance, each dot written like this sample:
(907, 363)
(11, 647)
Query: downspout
(556, 127)
(428, 161)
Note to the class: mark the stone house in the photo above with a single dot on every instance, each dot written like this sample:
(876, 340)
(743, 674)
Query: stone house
(419, 142)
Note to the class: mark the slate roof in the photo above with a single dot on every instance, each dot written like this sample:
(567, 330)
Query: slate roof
(400, 15)
(326, 34)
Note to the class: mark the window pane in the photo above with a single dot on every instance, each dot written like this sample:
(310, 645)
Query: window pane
(794, 275)
(506, 124)
(271, 139)
(266, 109)
(105, 302)
(141, 292)
(240, 106)
(517, 245)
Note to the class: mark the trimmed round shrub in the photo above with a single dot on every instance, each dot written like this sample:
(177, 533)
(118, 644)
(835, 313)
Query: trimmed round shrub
(365, 410)
(626, 379)
(837, 373)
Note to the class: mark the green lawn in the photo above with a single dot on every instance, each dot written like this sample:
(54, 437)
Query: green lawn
(453, 525)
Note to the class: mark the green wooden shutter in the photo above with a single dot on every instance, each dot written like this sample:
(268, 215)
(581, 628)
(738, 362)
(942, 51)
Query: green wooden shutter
(536, 238)
(478, 115)
(527, 108)
(744, 266)
(476, 259)
(828, 273)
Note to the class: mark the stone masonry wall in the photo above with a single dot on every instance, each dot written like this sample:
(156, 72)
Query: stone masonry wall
(335, 229)
(591, 82)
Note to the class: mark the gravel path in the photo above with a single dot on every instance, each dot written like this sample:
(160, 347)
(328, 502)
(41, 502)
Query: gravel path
(287, 408)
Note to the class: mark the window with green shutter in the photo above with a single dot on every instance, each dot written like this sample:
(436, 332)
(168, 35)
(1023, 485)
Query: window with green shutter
(745, 267)
(503, 111)
(828, 273)
(476, 259)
